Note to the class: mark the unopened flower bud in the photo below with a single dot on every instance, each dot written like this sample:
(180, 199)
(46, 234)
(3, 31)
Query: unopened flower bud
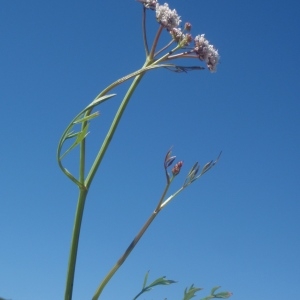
(187, 39)
(176, 168)
(188, 26)
(169, 159)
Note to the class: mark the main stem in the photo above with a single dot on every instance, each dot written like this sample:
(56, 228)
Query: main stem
(74, 244)
(83, 191)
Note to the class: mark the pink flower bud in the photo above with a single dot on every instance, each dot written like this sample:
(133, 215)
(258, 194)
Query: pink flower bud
(176, 168)
(188, 26)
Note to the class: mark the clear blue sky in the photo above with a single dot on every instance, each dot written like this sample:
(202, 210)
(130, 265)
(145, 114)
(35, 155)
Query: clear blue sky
(237, 227)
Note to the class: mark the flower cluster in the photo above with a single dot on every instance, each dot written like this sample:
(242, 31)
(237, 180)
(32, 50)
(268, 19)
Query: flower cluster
(151, 4)
(180, 37)
(176, 169)
(170, 20)
(167, 17)
(206, 52)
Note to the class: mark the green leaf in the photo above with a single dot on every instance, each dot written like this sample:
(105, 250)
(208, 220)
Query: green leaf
(191, 292)
(79, 119)
(82, 134)
(214, 289)
(70, 135)
(208, 298)
(223, 295)
(161, 281)
(145, 279)
(87, 118)
(79, 138)
(97, 101)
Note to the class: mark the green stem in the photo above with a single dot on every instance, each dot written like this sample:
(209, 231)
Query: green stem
(119, 263)
(113, 128)
(85, 184)
(84, 190)
(77, 225)
(74, 244)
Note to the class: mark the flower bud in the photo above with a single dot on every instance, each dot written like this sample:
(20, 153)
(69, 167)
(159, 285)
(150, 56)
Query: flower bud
(169, 159)
(176, 168)
(188, 26)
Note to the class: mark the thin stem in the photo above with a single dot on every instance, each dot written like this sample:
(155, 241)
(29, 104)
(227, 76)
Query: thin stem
(74, 244)
(166, 56)
(77, 226)
(82, 160)
(111, 131)
(159, 206)
(165, 47)
(139, 294)
(151, 55)
(146, 68)
(144, 32)
(121, 260)
(171, 197)
(186, 54)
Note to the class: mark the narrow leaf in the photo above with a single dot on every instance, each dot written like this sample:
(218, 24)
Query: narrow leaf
(99, 100)
(208, 298)
(80, 137)
(223, 295)
(145, 279)
(87, 118)
(161, 281)
(214, 289)
(70, 135)
(191, 292)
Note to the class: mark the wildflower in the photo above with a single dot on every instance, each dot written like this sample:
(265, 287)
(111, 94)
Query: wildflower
(151, 4)
(206, 52)
(166, 17)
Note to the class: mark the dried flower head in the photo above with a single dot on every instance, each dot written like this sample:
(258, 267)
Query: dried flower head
(206, 52)
(166, 17)
(151, 4)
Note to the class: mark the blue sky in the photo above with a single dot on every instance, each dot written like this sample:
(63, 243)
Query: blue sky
(237, 227)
